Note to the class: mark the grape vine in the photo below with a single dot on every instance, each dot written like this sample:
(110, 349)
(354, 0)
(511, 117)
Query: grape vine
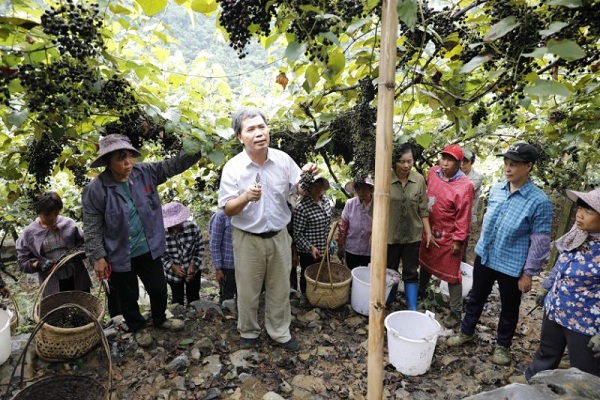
(311, 21)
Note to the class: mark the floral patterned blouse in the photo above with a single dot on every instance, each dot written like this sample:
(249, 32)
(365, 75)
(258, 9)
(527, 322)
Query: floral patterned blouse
(573, 299)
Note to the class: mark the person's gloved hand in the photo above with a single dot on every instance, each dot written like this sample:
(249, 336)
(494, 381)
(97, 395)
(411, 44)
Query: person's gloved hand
(46, 265)
(341, 252)
(540, 297)
(594, 344)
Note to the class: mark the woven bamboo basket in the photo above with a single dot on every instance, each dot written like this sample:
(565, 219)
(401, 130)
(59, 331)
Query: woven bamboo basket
(64, 387)
(56, 344)
(328, 287)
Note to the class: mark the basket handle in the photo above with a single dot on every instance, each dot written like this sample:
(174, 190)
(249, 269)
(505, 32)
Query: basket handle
(98, 327)
(326, 256)
(13, 299)
(64, 260)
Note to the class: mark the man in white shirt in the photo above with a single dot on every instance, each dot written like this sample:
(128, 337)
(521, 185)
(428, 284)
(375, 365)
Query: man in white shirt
(255, 186)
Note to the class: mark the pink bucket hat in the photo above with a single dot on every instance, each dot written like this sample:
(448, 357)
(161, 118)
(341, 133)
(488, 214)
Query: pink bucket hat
(455, 151)
(174, 214)
(590, 198)
(110, 143)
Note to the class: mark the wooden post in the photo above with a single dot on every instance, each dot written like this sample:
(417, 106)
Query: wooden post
(381, 202)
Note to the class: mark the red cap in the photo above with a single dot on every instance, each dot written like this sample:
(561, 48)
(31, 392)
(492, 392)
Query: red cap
(455, 151)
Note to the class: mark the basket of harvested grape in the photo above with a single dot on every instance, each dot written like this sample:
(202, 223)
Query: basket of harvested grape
(63, 387)
(328, 287)
(68, 334)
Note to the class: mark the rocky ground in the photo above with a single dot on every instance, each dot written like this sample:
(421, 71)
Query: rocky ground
(204, 360)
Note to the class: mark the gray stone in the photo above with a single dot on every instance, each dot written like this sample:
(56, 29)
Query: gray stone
(272, 396)
(555, 384)
(213, 365)
(180, 362)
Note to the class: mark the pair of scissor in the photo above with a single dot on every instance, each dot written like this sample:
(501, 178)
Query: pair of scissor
(104, 280)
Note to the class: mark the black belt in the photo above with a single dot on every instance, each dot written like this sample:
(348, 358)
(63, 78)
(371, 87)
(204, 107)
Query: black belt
(264, 235)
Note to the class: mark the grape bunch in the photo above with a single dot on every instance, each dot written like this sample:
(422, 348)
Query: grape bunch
(79, 172)
(479, 116)
(41, 157)
(310, 21)
(75, 29)
(306, 180)
(140, 129)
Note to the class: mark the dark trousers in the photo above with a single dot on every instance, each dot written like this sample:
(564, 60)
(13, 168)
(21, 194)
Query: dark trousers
(191, 289)
(353, 260)
(409, 254)
(227, 288)
(306, 260)
(152, 276)
(553, 341)
(510, 301)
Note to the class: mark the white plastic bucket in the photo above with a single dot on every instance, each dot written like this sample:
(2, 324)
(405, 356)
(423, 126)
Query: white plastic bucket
(361, 287)
(466, 271)
(5, 347)
(411, 337)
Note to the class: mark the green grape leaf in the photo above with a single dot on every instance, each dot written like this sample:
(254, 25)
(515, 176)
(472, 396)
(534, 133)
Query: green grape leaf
(566, 49)
(16, 119)
(553, 28)
(192, 145)
(152, 7)
(204, 6)
(312, 76)
(566, 3)
(542, 88)
(293, 51)
(323, 140)
(501, 28)
(407, 12)
(475, 62)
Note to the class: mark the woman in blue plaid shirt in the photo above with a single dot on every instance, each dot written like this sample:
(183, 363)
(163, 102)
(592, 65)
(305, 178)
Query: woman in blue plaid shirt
(310, 226)
(183, 255)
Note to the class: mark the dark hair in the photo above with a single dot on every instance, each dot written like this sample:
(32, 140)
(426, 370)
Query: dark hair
(48, 202)
(401, 150)
(243, 114)
(583, 204)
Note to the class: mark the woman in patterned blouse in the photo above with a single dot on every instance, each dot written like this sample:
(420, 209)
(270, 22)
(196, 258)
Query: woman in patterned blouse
(571, 295)
(311, 220)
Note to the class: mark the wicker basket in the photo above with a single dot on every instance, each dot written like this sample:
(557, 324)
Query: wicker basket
(64, 387)
(57, 344)
(328, 287)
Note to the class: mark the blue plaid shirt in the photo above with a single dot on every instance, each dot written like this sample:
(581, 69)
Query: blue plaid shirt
(509, 222)
(221, 242)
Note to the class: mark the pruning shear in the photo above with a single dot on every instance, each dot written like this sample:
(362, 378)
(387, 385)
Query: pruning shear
(104, 280)
(257, 180)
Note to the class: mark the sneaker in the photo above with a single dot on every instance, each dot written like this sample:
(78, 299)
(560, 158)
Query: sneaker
(143, 337)
(290, 345)
(501, 355)
(459, 340)
(518, 379)
(248, 343)
(172, 324)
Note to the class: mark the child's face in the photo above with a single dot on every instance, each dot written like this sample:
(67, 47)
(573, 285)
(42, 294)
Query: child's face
(588, 220)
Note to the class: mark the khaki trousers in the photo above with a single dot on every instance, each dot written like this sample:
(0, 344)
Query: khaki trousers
(261, 261)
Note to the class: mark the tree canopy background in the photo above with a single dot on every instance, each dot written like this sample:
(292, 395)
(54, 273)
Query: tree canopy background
(169, 73)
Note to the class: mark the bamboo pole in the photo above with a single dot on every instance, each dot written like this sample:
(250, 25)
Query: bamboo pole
(381, 202)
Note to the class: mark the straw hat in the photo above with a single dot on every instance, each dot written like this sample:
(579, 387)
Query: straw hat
(174, 214)
(111, 143)
(592, 198)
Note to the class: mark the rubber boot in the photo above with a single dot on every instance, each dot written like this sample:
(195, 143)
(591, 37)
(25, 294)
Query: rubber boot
(410, 290)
